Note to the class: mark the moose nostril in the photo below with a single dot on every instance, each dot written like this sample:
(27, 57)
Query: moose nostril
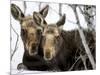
(32, 51)
(34, 48)
(34, 44)
(47, 54)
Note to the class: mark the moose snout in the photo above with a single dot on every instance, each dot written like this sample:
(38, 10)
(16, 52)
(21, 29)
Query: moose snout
(33, 50)
(34, 47)
(47, 55)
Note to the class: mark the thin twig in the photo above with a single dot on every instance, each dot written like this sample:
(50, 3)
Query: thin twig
(25, 6)
(74, 63)
(60, 9)
(15, 49)
(84, 60)
(83, 13)
(40, 6)
(91, 27)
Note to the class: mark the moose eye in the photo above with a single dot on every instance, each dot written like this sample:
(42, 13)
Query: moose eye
(23, 31)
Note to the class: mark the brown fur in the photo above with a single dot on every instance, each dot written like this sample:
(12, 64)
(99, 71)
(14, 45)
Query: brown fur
(31, 35)
(51, 32)
(62, 49)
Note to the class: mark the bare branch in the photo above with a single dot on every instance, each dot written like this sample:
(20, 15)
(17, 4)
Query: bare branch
(25, 6)
(83, 38)
(91, 27)
(75, 63)
(40, 6)
(87, 19)
(84, 60)
(60, 9)
(15, 49)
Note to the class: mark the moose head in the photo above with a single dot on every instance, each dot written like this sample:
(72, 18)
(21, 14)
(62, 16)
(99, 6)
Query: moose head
(30, 30)
(51, 37)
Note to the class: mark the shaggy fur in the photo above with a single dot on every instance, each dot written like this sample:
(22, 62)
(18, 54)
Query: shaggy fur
(70, 47)
(31, 35)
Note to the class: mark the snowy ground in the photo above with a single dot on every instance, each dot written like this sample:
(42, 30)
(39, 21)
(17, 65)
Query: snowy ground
(52, 17)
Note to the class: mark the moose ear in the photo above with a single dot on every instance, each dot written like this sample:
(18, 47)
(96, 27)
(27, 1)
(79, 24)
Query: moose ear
(39, 20)
(61, 21)
(44, 11)
(16, 12)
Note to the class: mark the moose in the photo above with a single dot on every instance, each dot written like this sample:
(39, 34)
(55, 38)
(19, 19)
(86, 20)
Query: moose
(60, 47)
(31, 36)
